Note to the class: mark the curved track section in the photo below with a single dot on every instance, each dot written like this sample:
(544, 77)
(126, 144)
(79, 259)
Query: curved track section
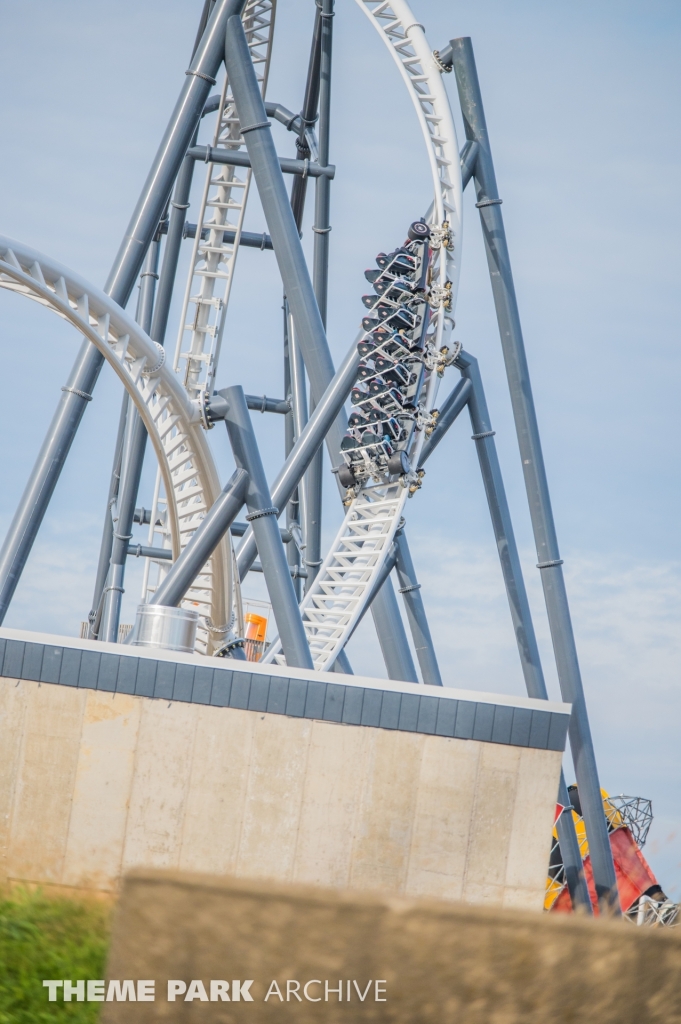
(405, 351)
(172, 420)
(409, 48)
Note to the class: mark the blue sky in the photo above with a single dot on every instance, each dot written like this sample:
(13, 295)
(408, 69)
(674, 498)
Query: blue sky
(581, 101)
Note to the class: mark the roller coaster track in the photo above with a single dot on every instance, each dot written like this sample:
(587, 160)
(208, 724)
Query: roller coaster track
(172, 420)
(223, 205)
(377, 488)
(211, 273)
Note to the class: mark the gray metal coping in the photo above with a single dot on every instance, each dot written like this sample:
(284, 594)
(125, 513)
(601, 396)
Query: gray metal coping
(297, 693)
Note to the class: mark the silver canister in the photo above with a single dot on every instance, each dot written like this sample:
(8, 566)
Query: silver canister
(172, 629)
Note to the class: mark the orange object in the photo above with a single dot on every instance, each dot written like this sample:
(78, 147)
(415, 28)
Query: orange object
(634, 876)
(256, 627)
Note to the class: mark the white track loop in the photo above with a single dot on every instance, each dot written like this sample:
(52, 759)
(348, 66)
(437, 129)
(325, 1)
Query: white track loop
(409, 48)
(337, 598)
(332, 607)
(171, 419)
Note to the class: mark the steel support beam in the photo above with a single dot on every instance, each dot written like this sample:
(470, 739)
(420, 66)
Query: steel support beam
(288, 250)
(179, 204)
(184, 120)
(159, 324)
(410, 589)
(263, 517)
(453, 405)
(104, 562)
(394, 647)
(144, 551)
(468, 156)
(311, 439)
(141, 230)
(281, 224)
(536, 483)
(131, 470)
(249, 239)
(204, 541)
(320, 280)
(297, 508)
(521, 616)
(307, 117)
(342, 665)
(303, 169)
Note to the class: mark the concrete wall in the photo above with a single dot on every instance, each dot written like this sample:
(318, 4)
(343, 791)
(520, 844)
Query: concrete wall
(93, 783)
(439, 963)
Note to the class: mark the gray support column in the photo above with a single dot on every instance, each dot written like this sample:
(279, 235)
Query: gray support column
(468, 157)
(179, 205)
(309, 442)
(342, 664)
(95, 615)
(322, 226)
(171, 152)
(536, 484)
(416, 613)
(289, 253)
(131, 471)
(132, 462)
(307, 118)
(281, 224)
(320, 278)
(483, 435)
(289, 441)
(171, 253)
(452, 406)
(263, 518)
(296, 509)
(204, 541)
(394, 646)
(76, 393)
(523, 627)
(78, 390)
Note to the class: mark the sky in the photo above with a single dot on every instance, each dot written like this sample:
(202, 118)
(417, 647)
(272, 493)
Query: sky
(582, 107)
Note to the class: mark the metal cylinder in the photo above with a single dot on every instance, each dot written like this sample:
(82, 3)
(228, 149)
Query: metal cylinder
(171, 629)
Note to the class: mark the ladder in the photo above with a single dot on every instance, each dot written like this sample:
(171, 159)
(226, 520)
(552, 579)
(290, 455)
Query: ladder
(202, 321)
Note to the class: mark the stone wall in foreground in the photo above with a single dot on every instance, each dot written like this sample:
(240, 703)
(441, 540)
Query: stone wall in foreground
(309, 955)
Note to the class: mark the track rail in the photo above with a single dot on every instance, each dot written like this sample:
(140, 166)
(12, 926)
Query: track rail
(345, 581)
(210, 279)
(223, 205)
(172, 420)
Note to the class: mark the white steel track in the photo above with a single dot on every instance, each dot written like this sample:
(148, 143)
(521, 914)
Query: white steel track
(211, 272)
(223, 206)
(335, 602)
(172, 420)
(332, 607)
(406, 41)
